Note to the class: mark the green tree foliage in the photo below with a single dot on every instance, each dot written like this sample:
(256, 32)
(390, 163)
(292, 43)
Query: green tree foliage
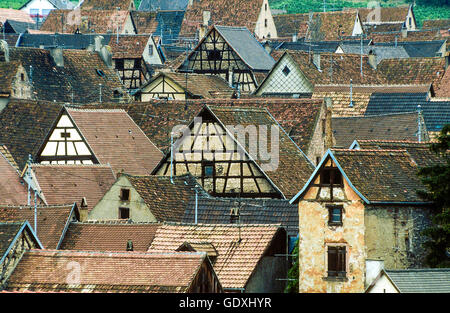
(292, 285)
(437, 180)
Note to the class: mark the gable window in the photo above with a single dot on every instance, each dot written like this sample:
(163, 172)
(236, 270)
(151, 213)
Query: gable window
(137, 64)
(335, 215)
(286, 70)
(331, 176)
(265, 22)
(336, 256)
(125, 194)
(208, 169)
(150, 49)
(119, 64)
(22, 77)
(214, 55)
(124, 213)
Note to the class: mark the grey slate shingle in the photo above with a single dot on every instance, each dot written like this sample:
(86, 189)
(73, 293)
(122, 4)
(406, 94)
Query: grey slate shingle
(421, 280)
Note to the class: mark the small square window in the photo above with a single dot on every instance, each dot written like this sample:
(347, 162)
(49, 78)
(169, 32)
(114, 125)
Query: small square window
(286, 70)
(125, 194)
(124, 213)
(209, 170)
(119, 64)
(335, 215)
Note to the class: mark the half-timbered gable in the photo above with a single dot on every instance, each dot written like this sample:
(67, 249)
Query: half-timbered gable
(216, 152)
(232, 53)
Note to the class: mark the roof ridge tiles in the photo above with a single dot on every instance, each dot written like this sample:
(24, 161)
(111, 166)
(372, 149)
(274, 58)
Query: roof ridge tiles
(395, 141)
(128, 254)
(361, 151)
(71, 165)
(13, 206)
(166, 223)
(95, 110)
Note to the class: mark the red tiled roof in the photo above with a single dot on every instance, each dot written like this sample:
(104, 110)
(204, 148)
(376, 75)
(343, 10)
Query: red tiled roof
(108, 236)
(236, 259)
(116, 139)
(386, 14)
(46, 270)
(16, 15)
(107, 4)
(129, 46)
(70, 183)
(13, 190)
(442, 87)
(51, 220)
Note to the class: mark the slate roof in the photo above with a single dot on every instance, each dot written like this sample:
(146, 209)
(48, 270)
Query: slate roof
(65, 41)
(46, 270)
(414, 71)
(107, 4)
(239, 13)
(70, 183)
(416, 35)
(166, 201)
(389, 52)
(381, 28)
(381, 175)
(158, 5)
(16, 15)
(115, 139)
(11, 39)
(145, 22)
(417, 49)
(290, 169)
(435, 113)
(214, 210)
(236, 260)
(436, 24)
(51, 220)
(108, 236)
(80, 75)
(13, 190)
(246, 46)
(18, 27)
(419, 151)
(318, 46)
(97, 21)
(400, 126)
(25, 124)
(169, 25)
(424, 280)
(200, 85)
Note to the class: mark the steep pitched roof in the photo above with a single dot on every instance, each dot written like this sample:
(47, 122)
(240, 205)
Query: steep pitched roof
(214, 210)
(81, 75)
(8, 71)
(442, 87)
(128, 46)
(108, 236)
(381, 52)
(169, 25)
(158, 5)
(18, 27)
(331, 25)
(166, 200)
(115, 139)
(58, 4)
(419, 151)
(107, 4)
(72, 183)
(65, 41)
(8, 235)
(52, 220)
(435, 113)
(236, 259)
(99, 21)
(106, 272)
(288, 167)
(16, 15)
(12, 188)
(145, 22)
(436, 24)
(231, 13)
(288, 25)
(426, 280)
(400, 126)
(386, 14)
(25, 124)
(416, 35)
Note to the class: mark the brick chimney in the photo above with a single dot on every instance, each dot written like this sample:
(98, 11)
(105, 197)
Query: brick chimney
(83, 210)
(328, 123)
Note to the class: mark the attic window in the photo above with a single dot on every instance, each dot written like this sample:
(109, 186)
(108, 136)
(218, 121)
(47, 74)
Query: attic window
(124, 213)
(214, 55)
(119, 64)
(331, 176)
(100, 73)
(150, 49)
(22, 77)
(286, 70)
(125, 194)
(208, 169)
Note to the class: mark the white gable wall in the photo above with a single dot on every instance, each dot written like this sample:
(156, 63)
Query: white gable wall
(383, 285)
(40, 5)
(265, 26)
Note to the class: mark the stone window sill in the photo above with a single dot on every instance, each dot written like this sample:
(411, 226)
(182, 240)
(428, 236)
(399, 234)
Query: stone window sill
(335, 279)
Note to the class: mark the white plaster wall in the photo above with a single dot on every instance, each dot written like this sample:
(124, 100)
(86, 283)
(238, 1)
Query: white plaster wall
(383, 285)
(38, 4)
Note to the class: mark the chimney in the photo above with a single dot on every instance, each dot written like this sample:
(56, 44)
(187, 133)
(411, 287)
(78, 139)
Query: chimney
(83, 210)
(294, 38)
(328, 125)
(57, 55)
(316, 60)
(98, 43)
(4, 51)
(106, 55)
(404, 32)
(372, 57)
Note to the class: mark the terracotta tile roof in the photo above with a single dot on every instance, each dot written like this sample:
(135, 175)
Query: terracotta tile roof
(228, 13)
(342, 68)
(145, 22)
(419, 151)
(413, 71)
(107, 236)
(236, 260)
(331, 25)
(8, 71)
(81, 74)
(381, 175)
(387, 14)
(165, 200)
(291, 170)
(382, 28)
(51, 220)
(107, 4)
(436, 24)
(341, 102)
(24, 125)
(13, 189)
(442, 87)
(8, 156)
(98, 21)
(8, 232)
(204, 86)
(11, 39)
(401, 126)
(46, 270)
(70, 183)
(129, 46)
(125, 148)
(289, 24)
(16, 15)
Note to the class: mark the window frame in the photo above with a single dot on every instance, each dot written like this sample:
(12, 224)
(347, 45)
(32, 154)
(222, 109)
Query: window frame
(122, 209)
(121, 196)
(332, 207)
(340, 271)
